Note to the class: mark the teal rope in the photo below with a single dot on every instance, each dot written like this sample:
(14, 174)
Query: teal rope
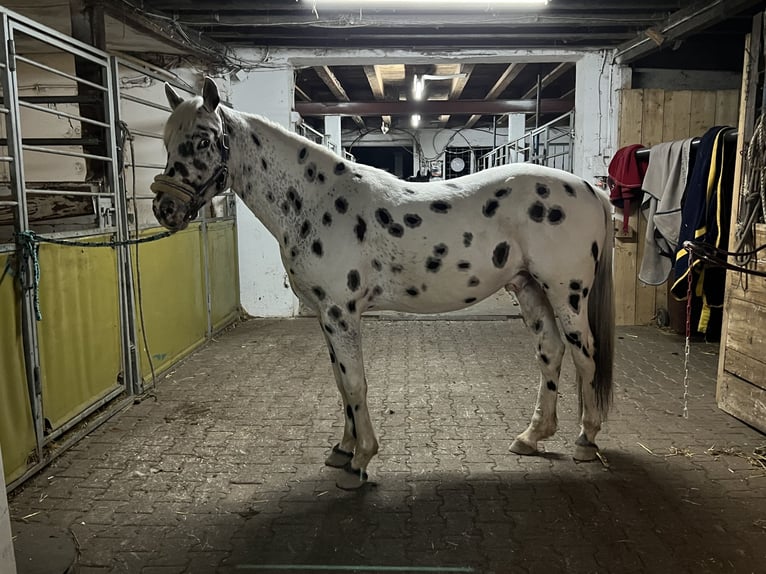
(29, 243)
(30, 251)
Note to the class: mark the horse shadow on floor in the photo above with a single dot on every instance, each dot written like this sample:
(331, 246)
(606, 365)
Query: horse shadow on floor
(630, 517)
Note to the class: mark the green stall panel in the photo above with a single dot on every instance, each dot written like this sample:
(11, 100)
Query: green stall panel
(80, 356)
(17, 432)
(172, 297)
(224, 273)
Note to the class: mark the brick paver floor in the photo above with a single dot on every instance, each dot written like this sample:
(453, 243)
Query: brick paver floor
(223, 472)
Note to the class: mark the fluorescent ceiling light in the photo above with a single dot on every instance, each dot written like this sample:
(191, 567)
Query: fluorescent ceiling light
(417, 88)
(434, 3)
(415, 120)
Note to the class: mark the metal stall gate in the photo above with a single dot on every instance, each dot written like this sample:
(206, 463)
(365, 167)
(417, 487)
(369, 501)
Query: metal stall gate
(87, 314)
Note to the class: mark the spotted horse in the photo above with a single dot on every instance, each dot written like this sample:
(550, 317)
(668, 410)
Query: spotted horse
(354, 238)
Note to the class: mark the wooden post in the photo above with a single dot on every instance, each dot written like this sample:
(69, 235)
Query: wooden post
(88, 26)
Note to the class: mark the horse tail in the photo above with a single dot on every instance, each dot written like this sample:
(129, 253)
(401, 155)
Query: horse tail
(601, 314)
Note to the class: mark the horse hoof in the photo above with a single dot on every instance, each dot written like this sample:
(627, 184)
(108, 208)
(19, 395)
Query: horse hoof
(522, 448)
(585, 453)
(351, 479)
(338, 457)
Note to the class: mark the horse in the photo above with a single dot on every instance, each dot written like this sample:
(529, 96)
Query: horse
(355, 238)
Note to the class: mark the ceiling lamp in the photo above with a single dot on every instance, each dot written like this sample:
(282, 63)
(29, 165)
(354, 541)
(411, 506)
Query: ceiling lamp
(434, 3)
(415, 120)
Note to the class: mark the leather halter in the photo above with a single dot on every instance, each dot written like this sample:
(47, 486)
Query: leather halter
(192, 195)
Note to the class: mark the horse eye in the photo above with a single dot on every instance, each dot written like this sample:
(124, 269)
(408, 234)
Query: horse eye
(203, 144)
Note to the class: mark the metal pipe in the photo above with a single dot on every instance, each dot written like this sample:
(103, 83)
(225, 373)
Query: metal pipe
(145, 102)
(58, 40)
(142, 133)
(57, 72)
(55, 112)
(65, 192)
(64, 152)
(146, 165)
(50, 437)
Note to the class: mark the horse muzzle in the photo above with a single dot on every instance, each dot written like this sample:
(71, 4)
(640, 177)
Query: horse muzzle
(175, 203)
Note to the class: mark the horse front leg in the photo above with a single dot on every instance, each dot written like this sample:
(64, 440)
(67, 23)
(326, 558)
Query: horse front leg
(342, 452)
(343, 334)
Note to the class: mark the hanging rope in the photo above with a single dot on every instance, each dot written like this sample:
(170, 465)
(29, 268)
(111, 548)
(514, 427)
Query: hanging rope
(29, 246)
(752, 197)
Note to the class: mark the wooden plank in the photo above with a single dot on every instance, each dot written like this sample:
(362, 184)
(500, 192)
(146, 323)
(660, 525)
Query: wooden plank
(626, 252)
(653, 111)
(625, 281)
(745, 367)
(631, 113)
(745, 333)
(677, 116)
(745, 98)
(726, 108)
(703, 112)
(743, 400)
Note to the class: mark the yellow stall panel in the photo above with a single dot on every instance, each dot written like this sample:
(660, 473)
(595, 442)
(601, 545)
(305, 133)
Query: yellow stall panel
(224, 275)
(79, 334)
(17, 433)
(173, 296)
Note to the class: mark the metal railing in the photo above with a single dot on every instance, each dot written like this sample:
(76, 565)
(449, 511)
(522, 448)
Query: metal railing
(550, 144)
(317, 137)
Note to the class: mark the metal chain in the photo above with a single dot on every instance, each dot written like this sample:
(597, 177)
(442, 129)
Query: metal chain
(687, 346)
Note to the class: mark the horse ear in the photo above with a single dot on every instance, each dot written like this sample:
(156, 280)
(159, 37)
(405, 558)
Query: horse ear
(210, 96)
(173, 98)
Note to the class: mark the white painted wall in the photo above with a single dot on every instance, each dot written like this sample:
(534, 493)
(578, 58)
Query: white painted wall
(7, 561)
(264, 288)
(597, 91)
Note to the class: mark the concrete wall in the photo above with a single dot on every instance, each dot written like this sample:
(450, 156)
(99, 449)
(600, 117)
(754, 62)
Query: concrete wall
(264, 288)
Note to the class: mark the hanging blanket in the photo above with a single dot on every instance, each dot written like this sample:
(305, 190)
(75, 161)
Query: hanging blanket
(663, 186)
(626, 172)
(705, 217)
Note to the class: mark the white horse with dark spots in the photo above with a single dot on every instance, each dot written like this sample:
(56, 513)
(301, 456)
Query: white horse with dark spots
(355, 238)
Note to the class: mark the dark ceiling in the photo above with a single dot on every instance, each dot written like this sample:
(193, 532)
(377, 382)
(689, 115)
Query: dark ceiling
(681, 34)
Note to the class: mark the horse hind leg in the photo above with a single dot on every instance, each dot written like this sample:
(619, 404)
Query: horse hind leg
(539, 318)
(580, 342)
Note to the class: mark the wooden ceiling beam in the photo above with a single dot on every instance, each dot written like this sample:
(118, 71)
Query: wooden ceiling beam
(549, 78)
(334, 85)
(505, 80)
(375, 79)
(685, 22)
(456, 90)
(430, 107)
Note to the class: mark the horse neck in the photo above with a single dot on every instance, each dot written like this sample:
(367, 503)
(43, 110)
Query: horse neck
(255, 142)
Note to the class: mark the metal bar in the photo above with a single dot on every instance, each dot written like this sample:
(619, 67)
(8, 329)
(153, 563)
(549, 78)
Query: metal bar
(71, 99)
(142, 133)
(431, 107)
(145, 165)
(145, 102)
(64, 152)
(57, 40)
(29, 336)
(6, 158)
(8, 203)
(54, 141)
(155, 73)
(64, 114)
(114, 393)
(57, 72)
(65, 192)
(4, 110)
(78, 234)
(61, 448)
(131, 364)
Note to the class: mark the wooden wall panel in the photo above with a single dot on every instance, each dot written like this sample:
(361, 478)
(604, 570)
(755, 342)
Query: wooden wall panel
(650, 117)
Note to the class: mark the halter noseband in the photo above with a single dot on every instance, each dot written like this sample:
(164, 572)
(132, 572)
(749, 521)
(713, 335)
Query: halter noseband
(190, 194)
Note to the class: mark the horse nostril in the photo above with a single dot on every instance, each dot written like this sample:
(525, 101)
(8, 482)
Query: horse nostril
(167, 208)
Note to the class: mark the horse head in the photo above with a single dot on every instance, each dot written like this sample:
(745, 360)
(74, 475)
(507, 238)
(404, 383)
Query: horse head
(198, 151)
